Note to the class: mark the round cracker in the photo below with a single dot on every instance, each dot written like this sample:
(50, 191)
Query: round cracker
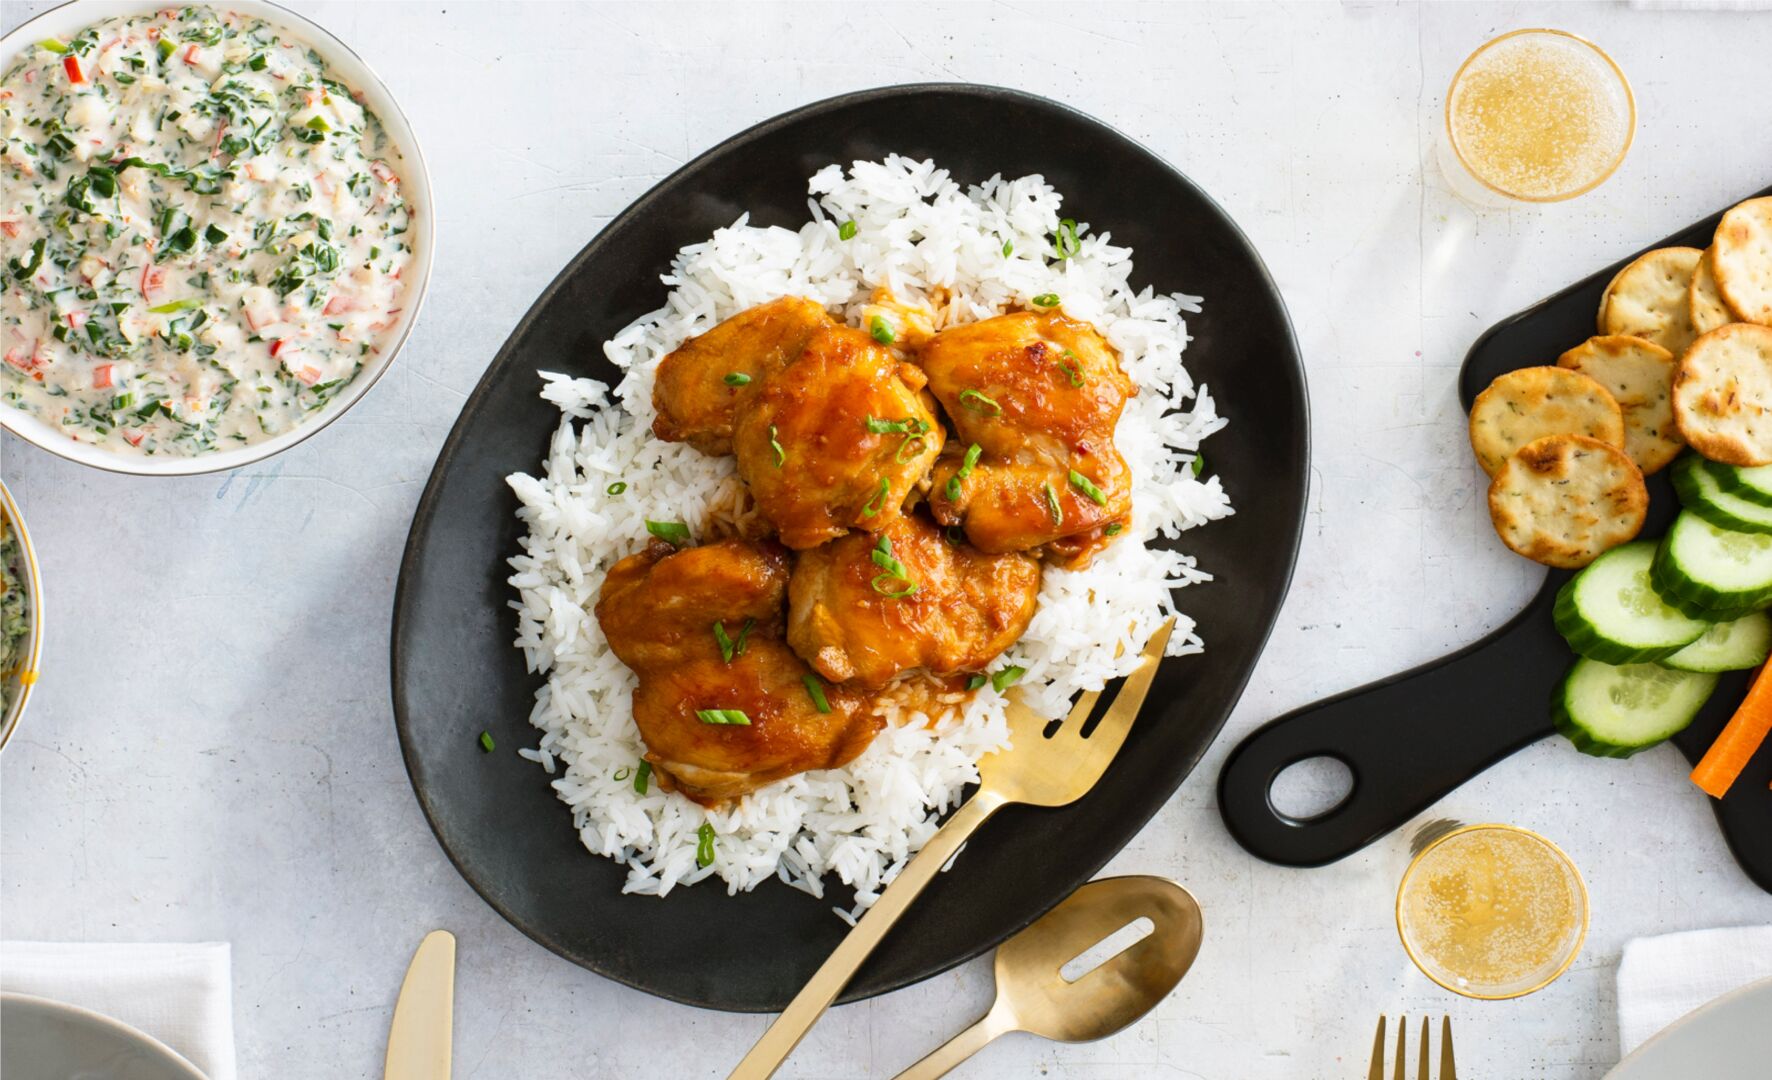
(1648, 299)
(1639, 375)
(1564, 500)
(1530, 403)
(1723, 395)
(1703, 302)
(1743, 259)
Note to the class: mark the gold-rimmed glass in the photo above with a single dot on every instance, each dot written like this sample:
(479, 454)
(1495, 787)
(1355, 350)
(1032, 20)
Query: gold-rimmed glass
(1492, 911)
(1536, 115)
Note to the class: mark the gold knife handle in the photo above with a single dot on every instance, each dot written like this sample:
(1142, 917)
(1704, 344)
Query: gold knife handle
(830, 979)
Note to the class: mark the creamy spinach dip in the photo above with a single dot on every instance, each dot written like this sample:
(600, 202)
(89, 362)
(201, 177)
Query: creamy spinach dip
(203, 233)
(14, 610)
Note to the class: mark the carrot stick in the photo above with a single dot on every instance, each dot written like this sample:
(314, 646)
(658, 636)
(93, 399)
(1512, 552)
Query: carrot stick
(1740, 739)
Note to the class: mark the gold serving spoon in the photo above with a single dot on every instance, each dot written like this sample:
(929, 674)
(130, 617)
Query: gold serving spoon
(1038, 769)
(1034, 996)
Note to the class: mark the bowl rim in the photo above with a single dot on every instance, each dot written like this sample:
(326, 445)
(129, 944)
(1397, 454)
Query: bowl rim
(33, 581)
(126, 1032)
(417, 180)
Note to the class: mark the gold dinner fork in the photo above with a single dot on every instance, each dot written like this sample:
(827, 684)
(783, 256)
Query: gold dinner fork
(1448, 1071)
(1039, 769)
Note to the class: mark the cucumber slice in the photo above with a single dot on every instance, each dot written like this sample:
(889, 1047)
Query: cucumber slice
(1702, 493)
(1728, 646)
(1753, 483)
(1610, 611)
(1712, 573)
(1610, 711)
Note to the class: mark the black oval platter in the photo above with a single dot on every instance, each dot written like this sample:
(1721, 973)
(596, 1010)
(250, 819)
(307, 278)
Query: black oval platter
(455, 671)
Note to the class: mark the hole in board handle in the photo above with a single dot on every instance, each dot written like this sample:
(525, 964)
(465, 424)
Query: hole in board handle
(1311, 788)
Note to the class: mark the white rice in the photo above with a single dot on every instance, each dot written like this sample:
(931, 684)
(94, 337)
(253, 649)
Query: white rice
(916, 231)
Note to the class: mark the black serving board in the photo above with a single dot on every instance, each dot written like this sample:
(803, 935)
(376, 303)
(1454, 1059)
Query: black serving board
(455, 671)
(1413, 738)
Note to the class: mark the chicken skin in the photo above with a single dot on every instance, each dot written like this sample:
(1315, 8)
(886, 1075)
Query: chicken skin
(701, 384)
(1039, 394)
(860, 619)
(717, 728)
(836, 440)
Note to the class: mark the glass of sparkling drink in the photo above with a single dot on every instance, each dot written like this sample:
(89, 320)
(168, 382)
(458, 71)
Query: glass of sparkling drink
(1536, 116)
(1492, 911)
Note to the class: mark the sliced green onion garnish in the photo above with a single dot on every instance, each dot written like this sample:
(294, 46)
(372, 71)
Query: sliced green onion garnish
(704, 845)
(912, 425)
(486, 743)
(1046, 299)
(878, 502)
(641, 775)
(318, 123)
(909, 586)
(1007, 677)
(882, 330)
(955, 535)
(1071, 370)
(674, 533)
(621, 774)
(616, 488)
(1082, 483)
(728, 647)
(885, 560)
(186, 304)
(816, 690)
(891, 570)
(165, 48)
(1113, 530)
(846, 231)
(781, 457)
(53, 45)
(954, 481)
(1052, 504)
(1008, 248)
(1199, 463)
(975, 682)
(978, 403)
(737, 378)
(905, 453)
(1065, 240)
(723, 717)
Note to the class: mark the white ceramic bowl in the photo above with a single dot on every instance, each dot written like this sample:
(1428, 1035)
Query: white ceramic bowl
(350, 69)
(23, 675)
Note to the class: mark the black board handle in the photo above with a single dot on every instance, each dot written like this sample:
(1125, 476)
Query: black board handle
(1408, 740)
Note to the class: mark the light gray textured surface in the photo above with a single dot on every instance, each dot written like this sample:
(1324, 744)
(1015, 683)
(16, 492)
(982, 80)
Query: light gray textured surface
(211, 753)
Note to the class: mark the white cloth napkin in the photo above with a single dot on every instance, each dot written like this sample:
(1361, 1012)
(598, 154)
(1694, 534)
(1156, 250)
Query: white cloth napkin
(180, 994)
(1663, 978)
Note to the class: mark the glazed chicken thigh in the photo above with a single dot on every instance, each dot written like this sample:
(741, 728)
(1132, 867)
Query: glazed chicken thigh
(1039, 394)
(701, 384)
(719, 726)
(837, 439)
(867, 608)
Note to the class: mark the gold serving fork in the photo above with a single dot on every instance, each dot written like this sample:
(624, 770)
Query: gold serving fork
(1038, 769)
(1448, 1071)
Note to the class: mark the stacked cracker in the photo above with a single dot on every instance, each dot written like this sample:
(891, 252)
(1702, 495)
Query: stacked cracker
(1683, 357)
